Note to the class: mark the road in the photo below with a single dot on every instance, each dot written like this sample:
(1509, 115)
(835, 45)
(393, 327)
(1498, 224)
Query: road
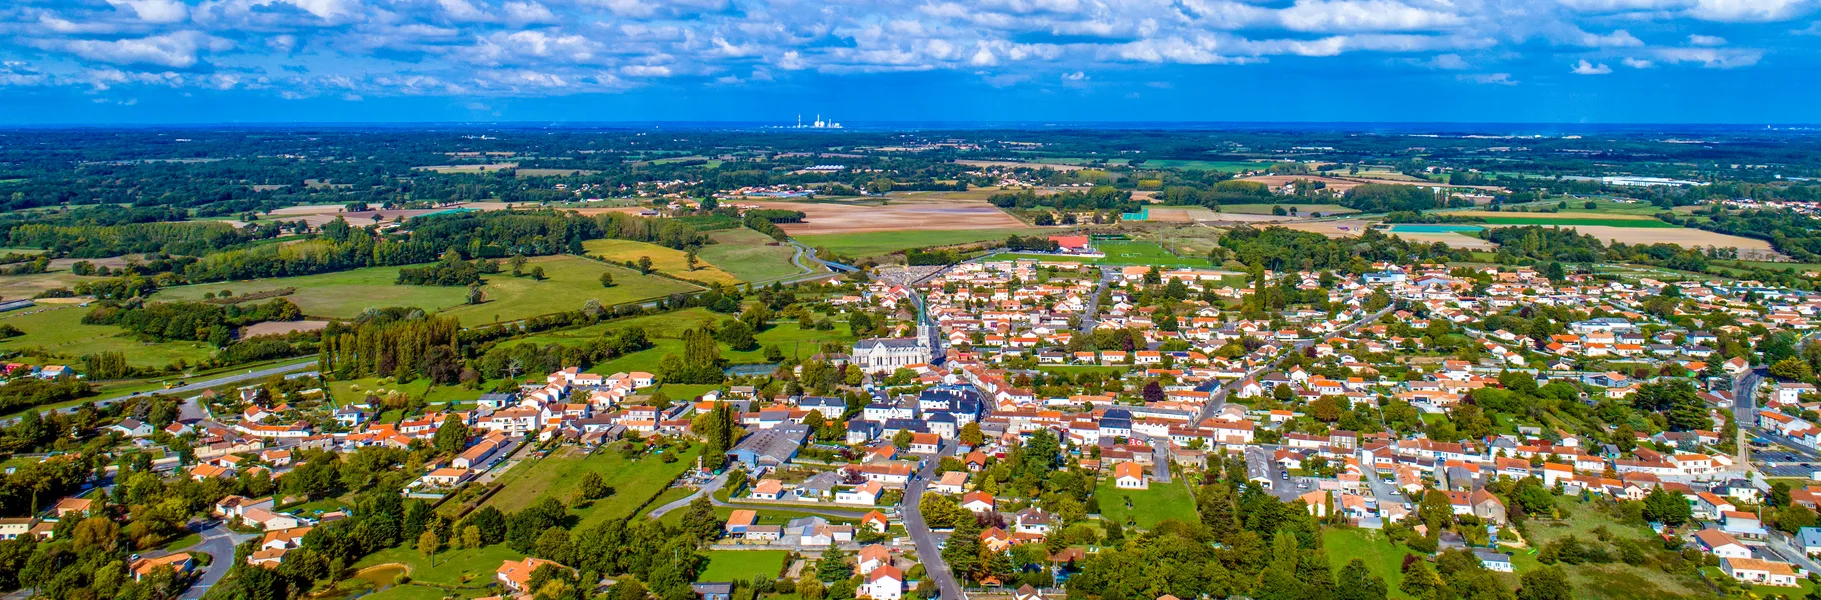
(709, 488)
(218, 542)
(1161, 460)
(929, 550)
(1090, 316)
(198, 386)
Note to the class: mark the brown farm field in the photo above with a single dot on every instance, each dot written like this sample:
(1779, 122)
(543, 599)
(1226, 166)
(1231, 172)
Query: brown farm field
(1340, 185)
(902, 213)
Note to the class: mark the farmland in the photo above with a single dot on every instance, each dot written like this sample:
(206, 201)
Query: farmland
(878, 243)
(947, 211)
(670, 261)
(1301, 209)
(570, 282)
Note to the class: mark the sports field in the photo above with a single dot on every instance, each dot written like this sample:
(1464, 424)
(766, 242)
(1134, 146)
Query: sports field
(670, 261)
(570, 281)
(58, 328)
(1145, 253)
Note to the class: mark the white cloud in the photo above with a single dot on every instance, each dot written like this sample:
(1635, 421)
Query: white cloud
(1447, 62)
(1587, 68)
(155, 11)
(1075, 76)
(1490, 78)
(175, 50)
(1363, 15)
(1749, 10)
(1712, 58)
(1812, 29)
(1706, 40)
(526, 13)
(1637, 63)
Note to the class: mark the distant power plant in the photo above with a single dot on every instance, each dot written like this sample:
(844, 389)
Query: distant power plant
(817, 124)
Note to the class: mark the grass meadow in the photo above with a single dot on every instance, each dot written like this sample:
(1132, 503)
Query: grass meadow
(1148, 507)
(750, 255)
(667, 260)
(558, 475)
(570, 281)
(58, 329)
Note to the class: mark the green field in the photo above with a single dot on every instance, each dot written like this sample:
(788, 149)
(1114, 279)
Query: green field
(877, 243)
(1384, 557)
(557, 476)
(743, 565)
(1301, 209)
(1230, 166)
(1616, 580)
(1145, 253)
(469, 570)
(749, 255)
(1576, 219)
(666, 331)
(669, 261)
(570, 282)
(58, 328)
(1162, 502)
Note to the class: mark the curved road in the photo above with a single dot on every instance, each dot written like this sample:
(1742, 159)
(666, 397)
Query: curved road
(218, 542)
(196, 387)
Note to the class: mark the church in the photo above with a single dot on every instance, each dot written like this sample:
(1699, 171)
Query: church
(885, 355)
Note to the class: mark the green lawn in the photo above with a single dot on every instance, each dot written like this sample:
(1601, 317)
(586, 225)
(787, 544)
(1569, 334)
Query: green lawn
(750, 255)
(743, 565)
(876, 243)
(570, 282)
(1145, 253)
(670, 261)
(471, 569)
(58, 329)
(558, 475)
(1384, 557)
(1162, 502)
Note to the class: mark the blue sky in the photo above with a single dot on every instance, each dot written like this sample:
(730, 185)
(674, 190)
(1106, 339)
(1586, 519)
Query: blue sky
(1562, 61)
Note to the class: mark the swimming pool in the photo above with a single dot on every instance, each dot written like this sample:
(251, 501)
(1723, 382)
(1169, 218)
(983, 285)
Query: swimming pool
(1419, 228)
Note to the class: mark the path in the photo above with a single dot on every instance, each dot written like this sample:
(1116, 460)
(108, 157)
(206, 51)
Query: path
(218, 542)
(929, 551)
(709, 488)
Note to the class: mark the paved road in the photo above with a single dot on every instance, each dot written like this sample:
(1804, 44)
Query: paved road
(199, 386)
(709, 488)
(929, 550)
(1089, 318)
(218, 542)
(1161, 459)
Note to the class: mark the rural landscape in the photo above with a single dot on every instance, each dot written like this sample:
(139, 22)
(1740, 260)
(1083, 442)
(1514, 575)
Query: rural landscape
(734, 363)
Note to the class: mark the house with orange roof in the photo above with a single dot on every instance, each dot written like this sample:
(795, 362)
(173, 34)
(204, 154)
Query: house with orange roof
(516, 575)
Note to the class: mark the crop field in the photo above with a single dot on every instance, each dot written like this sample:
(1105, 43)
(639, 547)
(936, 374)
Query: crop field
(930, 211)
(1607, 221)
(1148, 507)
(1145, 253)
(878, 243)
(670, 261)
(59, 329)
(16, 287)
(749, 255)
(1229, 166)
(570, 282)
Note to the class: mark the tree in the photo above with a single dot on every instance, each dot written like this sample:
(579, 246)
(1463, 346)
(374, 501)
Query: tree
(1419, 580)
(1792, 369)
(737, 335)
(701, 522)
(1547, 583)
(833, 566)
(537, 272)
(971, 435)
(644, 265)
(451, 436)
(692, 260)
(471, 537)
(428, 545)
(1666, 507)
(593, 487)
(606, 279)
(1356, 582)
(962, 551)
(475, 295)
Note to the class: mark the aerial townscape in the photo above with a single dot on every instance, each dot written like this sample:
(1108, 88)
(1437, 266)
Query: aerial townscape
(910, 300)
(744, 364)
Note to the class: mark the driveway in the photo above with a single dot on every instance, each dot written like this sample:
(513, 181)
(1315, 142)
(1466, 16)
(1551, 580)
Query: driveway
(218, 542)
(929, 548)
